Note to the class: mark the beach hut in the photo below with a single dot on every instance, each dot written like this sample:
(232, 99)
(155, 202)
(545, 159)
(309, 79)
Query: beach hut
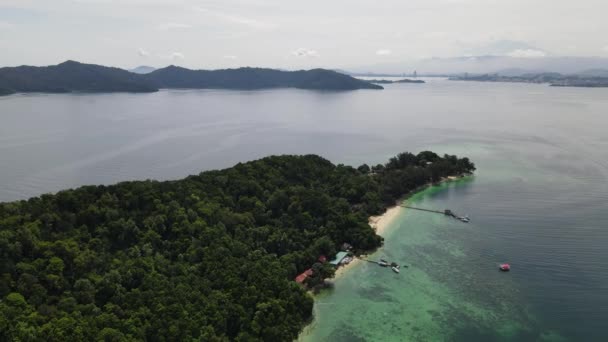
(339, 257)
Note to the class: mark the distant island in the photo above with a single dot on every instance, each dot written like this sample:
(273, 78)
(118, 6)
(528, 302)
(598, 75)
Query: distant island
(73, 76)
(405, 80)
(255, 78)
(211, 257)
(552, 78)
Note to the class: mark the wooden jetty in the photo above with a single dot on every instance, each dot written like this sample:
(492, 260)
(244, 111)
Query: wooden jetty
(446, 212)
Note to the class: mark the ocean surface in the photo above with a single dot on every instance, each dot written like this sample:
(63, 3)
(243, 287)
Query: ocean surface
(539, 199)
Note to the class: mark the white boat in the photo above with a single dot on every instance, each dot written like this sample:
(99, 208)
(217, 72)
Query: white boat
(382, 263)
(395, 269)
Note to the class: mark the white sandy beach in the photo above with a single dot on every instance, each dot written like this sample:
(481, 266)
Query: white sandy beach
(380, 222)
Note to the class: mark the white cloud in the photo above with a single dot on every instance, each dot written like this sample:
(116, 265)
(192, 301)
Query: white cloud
(236, 19)
(173, 26)
(172, 55)
(177, 55)
(6, 25)
(304, 52)
(142, 52)
(383, 52)
(230, 57)
(527, 53)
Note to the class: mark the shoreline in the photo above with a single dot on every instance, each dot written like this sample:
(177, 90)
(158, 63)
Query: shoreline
(380, 223)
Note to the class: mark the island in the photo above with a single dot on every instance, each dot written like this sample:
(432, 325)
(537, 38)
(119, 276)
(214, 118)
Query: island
(405, 80)
(73, 76)
(211, 257)
(552, 78)
(255, 78)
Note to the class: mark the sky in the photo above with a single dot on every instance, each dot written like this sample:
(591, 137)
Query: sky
(294, 34)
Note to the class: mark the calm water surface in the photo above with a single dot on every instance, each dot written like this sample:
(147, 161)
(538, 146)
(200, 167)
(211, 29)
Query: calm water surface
(539, 198)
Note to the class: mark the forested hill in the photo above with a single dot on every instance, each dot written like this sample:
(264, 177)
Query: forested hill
(72, 76)
(211, 257)
(256, 78)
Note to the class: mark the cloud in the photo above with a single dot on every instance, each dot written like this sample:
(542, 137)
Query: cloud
(605, 48)
(383, 52)
(173, 26)
(304, 52)
(230, 57)
(172, 55)
(527, 53)
(6, 25)
(493, 47)
(142, 52)
(177, 55)
(236, 19)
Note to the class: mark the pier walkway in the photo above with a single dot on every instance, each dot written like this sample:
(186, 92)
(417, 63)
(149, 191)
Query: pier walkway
(446, 212)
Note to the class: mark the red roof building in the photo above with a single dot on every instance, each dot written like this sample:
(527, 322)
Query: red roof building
(322, 259)
(302, 277)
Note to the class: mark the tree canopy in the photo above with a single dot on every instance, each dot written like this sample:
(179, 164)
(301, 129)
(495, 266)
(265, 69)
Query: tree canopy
(211, 257)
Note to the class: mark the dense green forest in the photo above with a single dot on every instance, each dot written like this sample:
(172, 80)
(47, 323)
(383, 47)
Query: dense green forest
(73, 76)
(211, 257)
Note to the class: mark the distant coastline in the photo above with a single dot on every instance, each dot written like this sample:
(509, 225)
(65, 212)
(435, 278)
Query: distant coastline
(405, 80)
(552, 79)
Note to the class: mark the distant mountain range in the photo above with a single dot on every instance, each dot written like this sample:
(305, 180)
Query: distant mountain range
(552, 78)
(73, 76)
(594, 73)
(504, 65)
(142, 69)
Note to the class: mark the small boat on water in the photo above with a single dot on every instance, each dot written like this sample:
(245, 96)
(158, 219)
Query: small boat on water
(465, 219)
(504, 267)
(395, 269)
(382, 263)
